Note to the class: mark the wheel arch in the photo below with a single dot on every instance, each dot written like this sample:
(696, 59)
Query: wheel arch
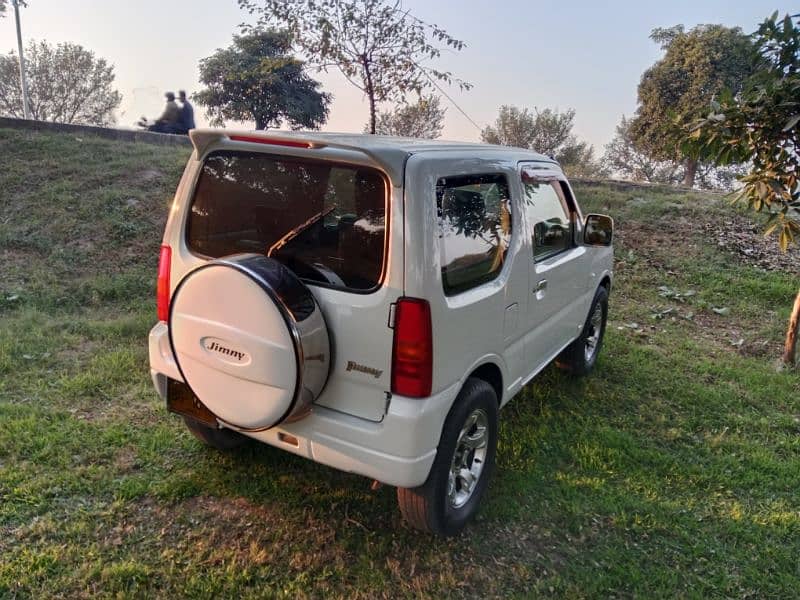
(605, 281)
(491, 374)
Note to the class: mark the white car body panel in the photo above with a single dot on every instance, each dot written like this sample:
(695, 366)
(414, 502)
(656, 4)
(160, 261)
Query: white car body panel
(356, 424)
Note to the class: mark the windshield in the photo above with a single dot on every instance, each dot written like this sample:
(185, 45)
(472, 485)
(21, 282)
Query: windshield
(324, 220)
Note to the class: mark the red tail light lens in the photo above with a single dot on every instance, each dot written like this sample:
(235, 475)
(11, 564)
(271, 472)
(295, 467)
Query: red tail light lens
(162, 288)
(412, 352)
(271, 141)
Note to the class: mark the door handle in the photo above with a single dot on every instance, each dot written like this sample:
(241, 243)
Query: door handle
(540, 287)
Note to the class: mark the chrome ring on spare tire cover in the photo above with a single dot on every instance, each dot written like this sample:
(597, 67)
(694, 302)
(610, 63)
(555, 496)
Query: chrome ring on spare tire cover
(304, 323)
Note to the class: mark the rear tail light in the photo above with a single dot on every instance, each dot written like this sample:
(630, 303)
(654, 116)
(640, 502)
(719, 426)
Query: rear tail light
(162, 288)
(412, 351)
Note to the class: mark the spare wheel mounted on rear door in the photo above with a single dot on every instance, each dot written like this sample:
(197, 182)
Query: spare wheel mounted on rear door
(250, 341)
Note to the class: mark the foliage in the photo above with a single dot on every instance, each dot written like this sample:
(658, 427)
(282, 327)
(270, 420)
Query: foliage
(696, 66)
(578, 160)
(256, 79)
(423, 119)
(547, 131)
(4, 6)
(622, 158)
(66, 84)
(379, 47)
(759, 124)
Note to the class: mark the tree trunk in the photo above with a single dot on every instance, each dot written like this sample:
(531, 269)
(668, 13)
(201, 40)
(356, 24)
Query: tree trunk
(791, 334)
(372, 115)
(691, 171)
(260, 123)
(370, 95)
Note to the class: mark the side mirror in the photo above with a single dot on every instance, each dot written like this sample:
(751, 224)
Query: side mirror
(598, 230)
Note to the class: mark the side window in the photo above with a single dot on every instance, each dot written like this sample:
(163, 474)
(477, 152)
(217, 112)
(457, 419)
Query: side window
(474, 229)
(548, 218)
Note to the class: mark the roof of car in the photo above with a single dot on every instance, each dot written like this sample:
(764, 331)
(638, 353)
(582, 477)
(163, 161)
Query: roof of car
(389, 151)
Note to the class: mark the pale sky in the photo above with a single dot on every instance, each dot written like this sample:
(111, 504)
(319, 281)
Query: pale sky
(558, 54)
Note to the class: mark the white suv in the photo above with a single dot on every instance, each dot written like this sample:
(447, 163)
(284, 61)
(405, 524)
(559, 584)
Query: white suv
(371, 302)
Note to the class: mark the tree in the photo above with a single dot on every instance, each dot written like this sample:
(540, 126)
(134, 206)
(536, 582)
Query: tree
(66, 83)
(577, 159)
(760, 124)
(548, 132)
(256, 79)
(622, 157)
(697, 65)
(4, 6)
(379, 47)
(424, 119)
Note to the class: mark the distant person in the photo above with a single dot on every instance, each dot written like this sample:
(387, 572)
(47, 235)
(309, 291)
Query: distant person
(186, 119)
(169, 121)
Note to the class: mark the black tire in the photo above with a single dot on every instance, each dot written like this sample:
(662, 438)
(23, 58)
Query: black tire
(429, 506)
(216, 437)
(574, 358)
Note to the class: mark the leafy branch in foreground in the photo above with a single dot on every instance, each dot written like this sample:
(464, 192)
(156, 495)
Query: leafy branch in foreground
(760, 126)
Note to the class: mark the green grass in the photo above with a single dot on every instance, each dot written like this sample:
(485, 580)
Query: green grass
(673, 470)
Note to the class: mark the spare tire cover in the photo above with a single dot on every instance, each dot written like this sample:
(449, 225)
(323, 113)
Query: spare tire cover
(250, 340)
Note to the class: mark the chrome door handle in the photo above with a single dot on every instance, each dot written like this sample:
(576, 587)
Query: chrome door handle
(541, 286)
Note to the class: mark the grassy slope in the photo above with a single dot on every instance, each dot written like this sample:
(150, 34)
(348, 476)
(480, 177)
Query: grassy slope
(673, 470)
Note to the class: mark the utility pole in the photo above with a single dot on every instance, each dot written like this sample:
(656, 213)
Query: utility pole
(26, 106)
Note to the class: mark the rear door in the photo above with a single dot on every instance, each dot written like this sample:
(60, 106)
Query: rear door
(557, 265)
(330, 222)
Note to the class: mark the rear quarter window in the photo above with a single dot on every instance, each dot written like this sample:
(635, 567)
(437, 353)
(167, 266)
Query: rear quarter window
(474, 213)
(326, 221)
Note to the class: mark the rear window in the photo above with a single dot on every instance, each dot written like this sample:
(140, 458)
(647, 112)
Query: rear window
(325, 221)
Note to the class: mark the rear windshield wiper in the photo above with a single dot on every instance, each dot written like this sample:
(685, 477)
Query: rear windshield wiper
(294, 232)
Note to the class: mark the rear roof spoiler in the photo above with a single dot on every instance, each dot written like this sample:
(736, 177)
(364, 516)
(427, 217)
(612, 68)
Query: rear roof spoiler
(202, 139)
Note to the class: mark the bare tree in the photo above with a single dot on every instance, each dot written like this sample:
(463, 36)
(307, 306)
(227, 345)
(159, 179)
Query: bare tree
(67, 84)
(379, 47)
(424, 119)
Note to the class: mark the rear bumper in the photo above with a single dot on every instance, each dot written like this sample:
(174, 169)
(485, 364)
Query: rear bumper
(399, 450)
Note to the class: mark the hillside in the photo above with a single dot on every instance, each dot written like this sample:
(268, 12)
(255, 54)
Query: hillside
(672, 470)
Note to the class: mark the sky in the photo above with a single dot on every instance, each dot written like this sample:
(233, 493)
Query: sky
(537, 54)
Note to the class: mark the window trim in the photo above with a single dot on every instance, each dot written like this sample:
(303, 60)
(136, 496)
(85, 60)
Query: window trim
(190, 197)
(483, 280)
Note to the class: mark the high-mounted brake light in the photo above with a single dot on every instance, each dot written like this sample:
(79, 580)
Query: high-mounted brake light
(162, 287)
(270, 141)
(412, 350)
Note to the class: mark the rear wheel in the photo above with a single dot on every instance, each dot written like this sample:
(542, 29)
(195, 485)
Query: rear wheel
(581, 355)
(450, 496)
(216, 437)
